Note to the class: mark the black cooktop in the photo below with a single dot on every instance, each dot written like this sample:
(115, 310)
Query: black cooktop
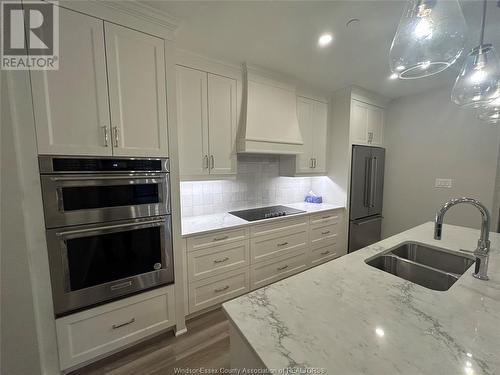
(262, 213)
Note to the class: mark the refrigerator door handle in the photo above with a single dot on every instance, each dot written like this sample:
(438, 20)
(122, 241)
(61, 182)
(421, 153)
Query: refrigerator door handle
(361, 222)
(366, 191)
(373, 181)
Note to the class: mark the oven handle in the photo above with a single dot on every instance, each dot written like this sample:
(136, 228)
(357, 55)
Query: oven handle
(142, 224)
(118, 177)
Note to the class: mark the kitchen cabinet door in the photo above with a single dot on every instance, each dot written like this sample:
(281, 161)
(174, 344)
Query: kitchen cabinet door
(192, 121)
(367, 123)
(359, 122)
(137, 88)
(320, 119)
(305, 115)
(222, 124)
(71, 106)
(375, 125)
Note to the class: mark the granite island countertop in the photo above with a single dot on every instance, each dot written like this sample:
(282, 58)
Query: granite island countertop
(350, 318)
(194, 225)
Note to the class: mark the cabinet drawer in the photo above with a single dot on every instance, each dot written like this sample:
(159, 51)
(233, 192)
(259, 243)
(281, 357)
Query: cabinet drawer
(215, 239)
(216, 260)
(324, 254)
(324, 235)
(326, 218)
(276, 227)
(217, 289)
(277, 269)
(278, 243)
(89, 334)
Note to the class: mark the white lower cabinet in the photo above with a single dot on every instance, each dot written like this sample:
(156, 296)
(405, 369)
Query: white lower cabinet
(265, 273)
(228, 263)
(93, 333)
(217, 289)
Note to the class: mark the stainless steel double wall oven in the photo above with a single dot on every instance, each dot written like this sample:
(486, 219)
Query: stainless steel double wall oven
(108, 227)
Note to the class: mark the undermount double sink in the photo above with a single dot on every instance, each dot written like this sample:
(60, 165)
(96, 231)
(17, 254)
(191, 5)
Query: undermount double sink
(426, 266)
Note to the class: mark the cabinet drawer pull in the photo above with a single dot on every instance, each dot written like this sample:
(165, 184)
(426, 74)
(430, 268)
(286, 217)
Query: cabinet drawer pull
(221, 289)
(325, 252)
(326, 217)
(115, 326)
(282, 268)
(325, 232)
(221, 260)
(221, 238)
(282, 244)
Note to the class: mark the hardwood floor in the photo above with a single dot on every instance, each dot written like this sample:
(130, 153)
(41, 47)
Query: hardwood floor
(206, 344)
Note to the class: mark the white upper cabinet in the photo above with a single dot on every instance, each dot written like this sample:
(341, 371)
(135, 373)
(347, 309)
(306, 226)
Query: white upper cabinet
(137, 92)
(320, 119)
(71, 104)
(192, 121)
(367, 123)
(313, 121)
(222, 124)
(305, 115)
(108, 96)
(207, 123)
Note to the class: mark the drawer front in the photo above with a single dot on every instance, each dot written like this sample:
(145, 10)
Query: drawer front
(216, 239)
(277, 269)
(326, 218)
(324, 235)
(270, 228)
(89, 334)
(276, 244)
(325, 254)
(216, 260)
(214, 290)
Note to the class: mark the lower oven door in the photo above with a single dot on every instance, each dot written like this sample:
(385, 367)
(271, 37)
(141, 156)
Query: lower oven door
(92, 198)
(92, 264)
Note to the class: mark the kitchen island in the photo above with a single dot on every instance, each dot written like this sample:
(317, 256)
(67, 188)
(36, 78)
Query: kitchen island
(346, 317)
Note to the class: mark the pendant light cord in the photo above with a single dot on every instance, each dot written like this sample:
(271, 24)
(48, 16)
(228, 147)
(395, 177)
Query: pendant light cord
(483, 24)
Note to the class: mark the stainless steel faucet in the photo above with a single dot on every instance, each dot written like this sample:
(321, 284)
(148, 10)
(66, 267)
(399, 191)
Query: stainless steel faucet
(483, 245)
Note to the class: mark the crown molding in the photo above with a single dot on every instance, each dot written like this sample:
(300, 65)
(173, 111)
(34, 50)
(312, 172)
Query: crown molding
(142, 11)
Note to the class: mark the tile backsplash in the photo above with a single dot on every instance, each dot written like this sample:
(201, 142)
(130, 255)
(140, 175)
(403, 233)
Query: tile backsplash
(257, 183)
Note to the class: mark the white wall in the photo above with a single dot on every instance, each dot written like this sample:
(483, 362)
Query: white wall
(428, 137)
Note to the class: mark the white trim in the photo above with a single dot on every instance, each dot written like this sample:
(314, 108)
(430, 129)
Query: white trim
(131, 14)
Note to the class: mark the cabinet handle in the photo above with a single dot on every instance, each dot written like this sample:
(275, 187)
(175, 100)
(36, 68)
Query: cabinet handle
(115, 131)
(205, 162)
(115, 326)
(221, 289)
(370, 137)
(325, 252)
(282, 268)
(221, 260)
(311, 164)
(282, 244)
(221, 238)
(325, 232)
(314, 163)
(212, 162)
(106, 139)
(326, 217)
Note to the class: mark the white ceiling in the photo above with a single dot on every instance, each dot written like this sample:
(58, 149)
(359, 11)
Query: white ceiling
(282, 36)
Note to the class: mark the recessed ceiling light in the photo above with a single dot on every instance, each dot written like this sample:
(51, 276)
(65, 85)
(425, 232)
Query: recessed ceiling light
(393, 76)
(325, 39)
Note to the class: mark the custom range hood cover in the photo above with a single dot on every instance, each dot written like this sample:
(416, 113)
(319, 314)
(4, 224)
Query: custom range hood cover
(269, 114)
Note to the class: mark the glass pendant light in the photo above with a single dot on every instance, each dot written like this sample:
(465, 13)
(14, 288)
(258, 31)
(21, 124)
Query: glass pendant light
(430, 37)
(478, 82)
(490, 112)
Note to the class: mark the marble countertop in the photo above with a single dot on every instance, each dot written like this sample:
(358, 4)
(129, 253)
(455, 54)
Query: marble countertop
(350, 318)
(193, 225)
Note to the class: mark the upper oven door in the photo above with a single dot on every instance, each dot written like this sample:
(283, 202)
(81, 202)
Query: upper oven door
(91, 198)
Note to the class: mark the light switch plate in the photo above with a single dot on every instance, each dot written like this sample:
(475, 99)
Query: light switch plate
(443, 183)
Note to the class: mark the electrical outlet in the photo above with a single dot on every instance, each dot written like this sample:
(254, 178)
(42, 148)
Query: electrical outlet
(443, 183)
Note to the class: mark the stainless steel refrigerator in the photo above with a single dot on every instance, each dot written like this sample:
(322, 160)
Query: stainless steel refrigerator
(367, 191)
